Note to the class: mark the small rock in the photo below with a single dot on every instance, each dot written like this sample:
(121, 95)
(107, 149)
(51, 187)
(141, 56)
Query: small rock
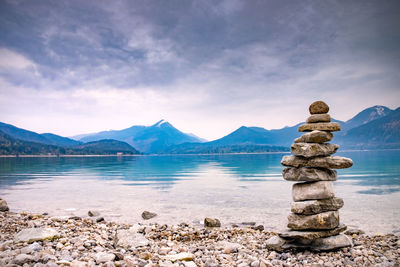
(275, 243)
(249, 223)
(147, 215)
(5, 245)
(3, 205)
(212, 222)
(231, 247)
(255, 263)
(318, 107)
(93, 213)
(21, 259)
(189, 264)
(63, 263)
(183, 256)
(130, 239)
(99, 219)
(354, 232)
(31, 235)
(102, 257)
(76, 218)
(258, 227)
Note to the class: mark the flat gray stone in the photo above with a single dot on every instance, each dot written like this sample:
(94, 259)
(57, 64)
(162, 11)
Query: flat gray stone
(183, 256)
(130, 239)
(310, 207)
(312, 190)
(275, 243)
(318, 118)
(31, 235)
(322, 221)
(147, 215)
(305, 174)
(315, 137)
(320, 126)
(332, 243)
(317, 162)
(321, 244)
(103, 257)
(313, 149)
(312, 235)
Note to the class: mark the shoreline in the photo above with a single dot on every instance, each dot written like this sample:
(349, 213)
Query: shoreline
(186, 154)
(88, 241)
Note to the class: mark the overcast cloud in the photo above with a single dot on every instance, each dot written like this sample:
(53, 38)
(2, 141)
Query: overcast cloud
(208, 67)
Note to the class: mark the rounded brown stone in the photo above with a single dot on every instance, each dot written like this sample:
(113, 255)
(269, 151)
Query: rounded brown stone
(318, 107)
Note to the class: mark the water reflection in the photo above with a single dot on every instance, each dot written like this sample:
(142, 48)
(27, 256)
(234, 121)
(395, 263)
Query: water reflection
(231, 187)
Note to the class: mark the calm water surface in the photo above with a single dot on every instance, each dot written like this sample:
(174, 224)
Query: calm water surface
(234, 188)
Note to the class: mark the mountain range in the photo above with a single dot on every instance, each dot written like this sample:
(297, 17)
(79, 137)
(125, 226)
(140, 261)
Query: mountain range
(373, 128)
(149, 139)
(17, 141)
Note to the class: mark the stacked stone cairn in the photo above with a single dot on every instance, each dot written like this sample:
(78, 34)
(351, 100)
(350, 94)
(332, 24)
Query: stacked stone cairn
(314, 221)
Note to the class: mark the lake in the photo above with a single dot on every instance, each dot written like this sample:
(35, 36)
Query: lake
(188, 188)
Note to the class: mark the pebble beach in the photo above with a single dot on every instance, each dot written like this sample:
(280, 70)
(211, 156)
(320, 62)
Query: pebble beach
(43, 240)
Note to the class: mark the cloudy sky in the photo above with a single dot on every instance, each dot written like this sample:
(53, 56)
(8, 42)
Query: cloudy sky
(208, 67)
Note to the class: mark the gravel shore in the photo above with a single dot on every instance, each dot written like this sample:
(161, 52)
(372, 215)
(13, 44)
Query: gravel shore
(80, 242)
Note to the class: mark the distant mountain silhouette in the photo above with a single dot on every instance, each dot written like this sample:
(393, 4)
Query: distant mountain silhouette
(12, 146)
(46, 138)
(365, 116)
(257, 139)
(383, 132)
(149, 139)
(373, 128)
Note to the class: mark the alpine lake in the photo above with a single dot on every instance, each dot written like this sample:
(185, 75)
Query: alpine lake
(235, 188)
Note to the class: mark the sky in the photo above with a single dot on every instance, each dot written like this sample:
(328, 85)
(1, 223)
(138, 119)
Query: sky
(207, 67)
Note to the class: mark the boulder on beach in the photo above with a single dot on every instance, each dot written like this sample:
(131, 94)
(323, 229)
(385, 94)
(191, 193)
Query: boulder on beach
(93, 213)
(3, 205)
(147, 215)
(31, 235)
(212, 222)
(130, 238)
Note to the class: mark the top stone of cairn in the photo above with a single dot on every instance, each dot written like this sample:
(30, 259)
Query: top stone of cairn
(318, 107)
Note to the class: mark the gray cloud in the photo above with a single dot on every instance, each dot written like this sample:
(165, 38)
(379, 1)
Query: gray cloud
(208, 58)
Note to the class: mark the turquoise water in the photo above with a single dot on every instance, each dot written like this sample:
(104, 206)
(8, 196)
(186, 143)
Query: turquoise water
(234, 188)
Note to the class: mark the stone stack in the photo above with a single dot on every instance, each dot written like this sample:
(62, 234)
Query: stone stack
(314, 221)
